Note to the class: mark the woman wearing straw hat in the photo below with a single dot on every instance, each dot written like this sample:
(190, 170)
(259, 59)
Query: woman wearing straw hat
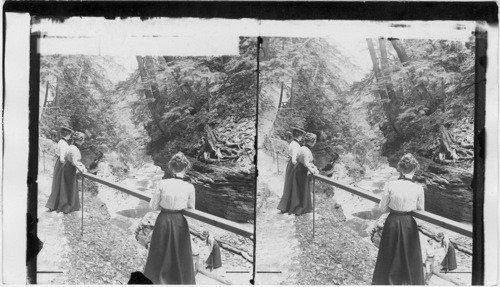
(450, 259)
(399, 260)
(300, 198)
(62, 146)
(170, 257)
(68, 197)
(293, 150)
(214, 260)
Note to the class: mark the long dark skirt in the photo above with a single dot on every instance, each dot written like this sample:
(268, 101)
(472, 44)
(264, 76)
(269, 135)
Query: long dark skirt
(68, 200)
(214, 260)
(284, 204)
(170, 258)
(53, 201)
(399, 260)
(450, 260)
(300, 198)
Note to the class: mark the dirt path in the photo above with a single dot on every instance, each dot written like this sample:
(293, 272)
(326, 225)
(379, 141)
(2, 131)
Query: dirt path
(52, 257)
(277, 245)
(97, 256)
(127, 212)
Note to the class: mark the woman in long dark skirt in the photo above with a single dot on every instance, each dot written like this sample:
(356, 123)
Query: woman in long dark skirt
(68, 200)
(214, 260)
(449, 262)
(300, 197)
(62, 147)
(399, 260)
(293, 150)
(170, 257)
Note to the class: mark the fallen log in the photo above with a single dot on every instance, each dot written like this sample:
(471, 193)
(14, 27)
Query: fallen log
(459, 246)
(225, 245)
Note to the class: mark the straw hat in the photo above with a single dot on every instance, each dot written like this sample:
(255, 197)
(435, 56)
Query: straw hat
(296, 129)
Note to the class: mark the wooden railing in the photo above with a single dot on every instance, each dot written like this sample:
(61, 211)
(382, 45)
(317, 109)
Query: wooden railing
(221, 223)
(443, 222)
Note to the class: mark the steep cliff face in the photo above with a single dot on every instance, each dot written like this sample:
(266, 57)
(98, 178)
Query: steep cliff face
(224, 188)
(223, 191)
(447, 179)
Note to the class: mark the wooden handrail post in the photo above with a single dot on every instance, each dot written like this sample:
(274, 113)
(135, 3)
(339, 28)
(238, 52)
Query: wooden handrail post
(313, 180)
(82, 202)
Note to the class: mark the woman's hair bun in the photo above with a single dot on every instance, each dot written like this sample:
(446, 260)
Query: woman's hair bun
(178, 163)
(78, 136)
(408, 163)
(309, 137)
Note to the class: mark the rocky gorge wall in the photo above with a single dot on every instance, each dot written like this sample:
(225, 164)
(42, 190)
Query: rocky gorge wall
(223, 188)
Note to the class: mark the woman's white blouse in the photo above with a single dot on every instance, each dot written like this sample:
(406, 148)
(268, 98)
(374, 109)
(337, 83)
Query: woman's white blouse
(402, 195)
(293, 150)
(173, 194)
(305, 156)
(74, 156)
(62, 146)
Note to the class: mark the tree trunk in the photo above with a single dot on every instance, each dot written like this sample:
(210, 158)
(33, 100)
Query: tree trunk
(384, 63)
(56, 98)
(398, 47)
(383, 93)
(281, 98)
(149, 94)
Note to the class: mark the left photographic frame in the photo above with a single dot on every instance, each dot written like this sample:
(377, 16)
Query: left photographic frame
(146, 152)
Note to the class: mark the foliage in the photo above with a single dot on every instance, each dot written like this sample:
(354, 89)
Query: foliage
(88, 100)
(436, 87)
(189, 92)
(311, 70)
(79, 83)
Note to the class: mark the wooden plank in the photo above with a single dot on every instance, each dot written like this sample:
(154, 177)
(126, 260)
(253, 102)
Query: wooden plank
(141, 195)
(193, 213)
(351, 189)
(443, 222)
(219, 222)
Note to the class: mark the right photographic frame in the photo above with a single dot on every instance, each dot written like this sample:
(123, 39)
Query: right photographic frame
(369, 153)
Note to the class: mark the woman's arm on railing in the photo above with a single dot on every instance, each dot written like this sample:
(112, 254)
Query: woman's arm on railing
(421, 200)
(155, 199)
(308, 162)
(384, 201)
(76, 157)
(191, 199)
